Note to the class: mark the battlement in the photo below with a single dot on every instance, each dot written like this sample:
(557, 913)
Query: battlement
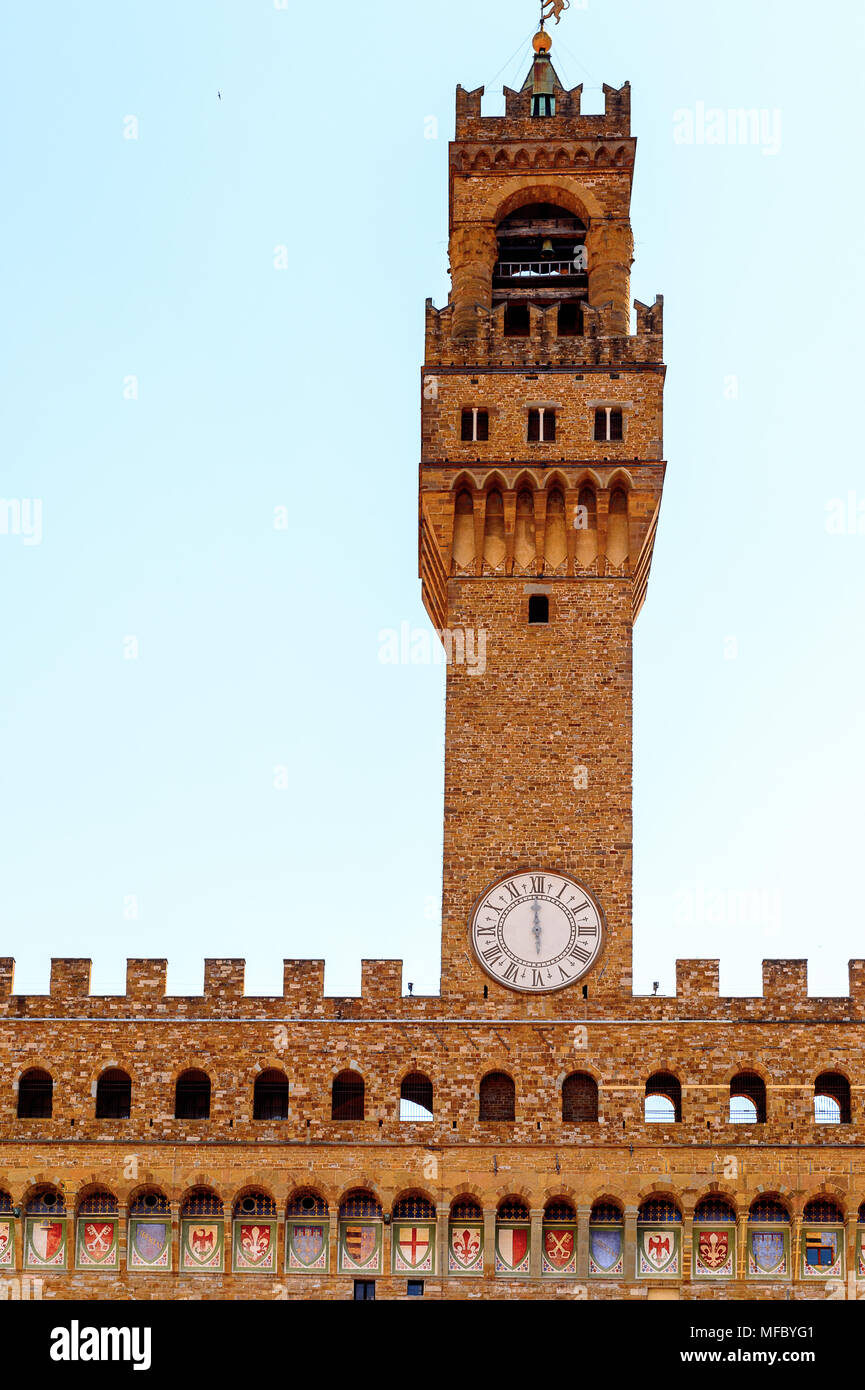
(599, 344)
(568, 123)
(785, 995)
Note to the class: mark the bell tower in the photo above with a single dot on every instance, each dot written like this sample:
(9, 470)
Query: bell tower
(540, 485)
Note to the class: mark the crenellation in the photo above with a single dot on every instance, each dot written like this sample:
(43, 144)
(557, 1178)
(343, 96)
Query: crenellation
(785, 983)
(697, 981)
(224, 981)
(381, 983)
(70, 978)
(303, 986)
(146, 980)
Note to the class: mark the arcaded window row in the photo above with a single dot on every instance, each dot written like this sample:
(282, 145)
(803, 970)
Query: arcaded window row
(497, 1097)
(199, 1235)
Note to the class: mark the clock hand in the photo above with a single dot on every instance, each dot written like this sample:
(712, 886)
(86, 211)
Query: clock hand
(536, 929)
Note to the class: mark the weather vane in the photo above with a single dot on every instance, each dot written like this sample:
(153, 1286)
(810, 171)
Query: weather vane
(553, 9)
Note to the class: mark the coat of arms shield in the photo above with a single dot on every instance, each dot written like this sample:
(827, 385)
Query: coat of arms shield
(360, 1244)
(307, 1242)
(97, 1238)
(713, 1249)
(150, 1241)
(767, 1249)
(202, 1244)
(255, 1243)
(46, 1240)
(658, 1248)
(465, 1246)
(558, 1247)
(605, 1249)
(413, 1243)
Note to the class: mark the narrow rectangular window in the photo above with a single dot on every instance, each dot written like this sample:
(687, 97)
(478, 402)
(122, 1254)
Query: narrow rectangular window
(609, 424)
(534, 426)
(467, 432)
(517, 321)
(569, 322)
(482, 420)
(539, 608)
(549, 426)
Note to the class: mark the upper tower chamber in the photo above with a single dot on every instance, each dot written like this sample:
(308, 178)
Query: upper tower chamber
(540, 252)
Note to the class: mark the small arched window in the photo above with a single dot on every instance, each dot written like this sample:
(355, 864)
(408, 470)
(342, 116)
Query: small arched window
(416, 1097)
(35, 1095)
(307, 1203)
(113, 1095)
(192, 1096)
(270, 1095)
(747, 1099)
(768, 1209)
(580, 1098)
(713, 1210)
(347, 1098)
(414, 1208)
(663, 1099)
(832, 1099)
(498, 1097)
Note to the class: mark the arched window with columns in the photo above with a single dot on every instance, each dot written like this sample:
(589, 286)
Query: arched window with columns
(360, 1234)
(659, 1239)
(559, 1240)
(822, 1246)
(202, 1232)
(714, 1244)
(606, 1240)
(768, 1239)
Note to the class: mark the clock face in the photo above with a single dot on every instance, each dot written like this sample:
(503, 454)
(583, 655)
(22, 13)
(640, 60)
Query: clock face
(537, 931)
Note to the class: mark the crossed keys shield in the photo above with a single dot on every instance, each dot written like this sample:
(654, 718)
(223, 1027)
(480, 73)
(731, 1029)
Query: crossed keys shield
(559, 1248)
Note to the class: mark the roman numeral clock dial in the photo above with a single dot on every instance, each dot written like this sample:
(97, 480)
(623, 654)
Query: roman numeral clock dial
(537, 931)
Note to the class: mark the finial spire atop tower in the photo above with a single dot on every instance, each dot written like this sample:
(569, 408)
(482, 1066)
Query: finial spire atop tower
(553, 9)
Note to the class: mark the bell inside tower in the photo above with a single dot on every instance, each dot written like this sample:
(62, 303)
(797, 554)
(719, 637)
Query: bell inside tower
(541, 259)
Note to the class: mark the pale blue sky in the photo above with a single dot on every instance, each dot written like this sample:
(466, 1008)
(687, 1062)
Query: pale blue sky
(153, 258)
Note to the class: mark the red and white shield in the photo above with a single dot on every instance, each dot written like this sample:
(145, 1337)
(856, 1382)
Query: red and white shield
(46, 1237)
(202, 1243)
(98, 1239)
(658, 1247)
(513, 1245)
(465, 1245)
(413, 1243)
(559, 1247)
(714, 1248)
(255, 1243)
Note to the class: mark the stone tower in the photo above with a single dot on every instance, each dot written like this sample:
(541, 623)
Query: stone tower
(540, 486)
